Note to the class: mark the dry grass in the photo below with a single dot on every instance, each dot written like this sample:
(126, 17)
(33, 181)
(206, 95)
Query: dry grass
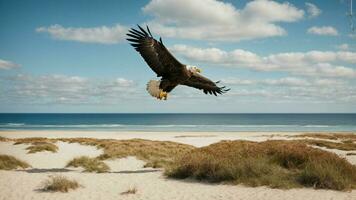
(9, 162)
(3, 139)
(277, 164)
(89, 164)
(329, 136)
(351, 154)
(132, 190)
(190, 136)
(154, 153)
(32, 140)
(59, 184)
(42, 146)
(344, 146)
(38, 144)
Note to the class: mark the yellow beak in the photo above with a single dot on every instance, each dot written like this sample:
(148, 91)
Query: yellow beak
(198, 70)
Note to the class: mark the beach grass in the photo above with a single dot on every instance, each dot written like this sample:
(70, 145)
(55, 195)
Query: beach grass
(38, 144)
(42, 146)
(9, 163)
(3, 139)
(59, 184)
(131, 190)
(155, 153)
(344, 146)
(329, 136)
(277, 164)
(89, 164)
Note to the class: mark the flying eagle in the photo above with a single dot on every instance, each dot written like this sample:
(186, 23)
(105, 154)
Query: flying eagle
(163, 63)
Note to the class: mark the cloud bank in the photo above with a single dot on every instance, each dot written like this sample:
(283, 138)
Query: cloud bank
(4, 64)
(205, 19)
(323, 30)
(312, 63)
(102, 35)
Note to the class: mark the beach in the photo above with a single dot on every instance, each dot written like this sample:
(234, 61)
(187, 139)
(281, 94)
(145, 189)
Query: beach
(129, 172)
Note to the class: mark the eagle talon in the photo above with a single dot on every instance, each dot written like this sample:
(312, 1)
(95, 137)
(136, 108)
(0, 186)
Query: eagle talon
(162, 95)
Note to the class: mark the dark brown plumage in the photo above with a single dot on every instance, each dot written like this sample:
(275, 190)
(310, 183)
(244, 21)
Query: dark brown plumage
(165, 65)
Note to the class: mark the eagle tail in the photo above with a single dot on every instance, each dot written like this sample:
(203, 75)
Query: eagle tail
(153, 88)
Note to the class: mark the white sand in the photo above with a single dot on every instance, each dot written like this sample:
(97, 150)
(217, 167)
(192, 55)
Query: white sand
(128, 172)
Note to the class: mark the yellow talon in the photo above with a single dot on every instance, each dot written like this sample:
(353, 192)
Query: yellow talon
(162, 95)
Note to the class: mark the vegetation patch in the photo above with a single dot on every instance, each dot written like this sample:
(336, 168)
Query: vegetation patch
(89, 164)
(3, 139)
(154, 153)
(42, 146)
(38, 144)
(9, 162)
(331, 145)
(32, 140)
(132, 190)
(59, 184)
(351, 154)
(277, 164)
(330, 136)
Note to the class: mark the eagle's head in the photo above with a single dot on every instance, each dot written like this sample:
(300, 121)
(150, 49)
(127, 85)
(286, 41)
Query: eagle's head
(193, 69)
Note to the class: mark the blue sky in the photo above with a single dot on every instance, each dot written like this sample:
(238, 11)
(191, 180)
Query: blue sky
(276, 56)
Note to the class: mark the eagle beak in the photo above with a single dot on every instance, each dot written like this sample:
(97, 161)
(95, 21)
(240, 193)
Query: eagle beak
(199, 70)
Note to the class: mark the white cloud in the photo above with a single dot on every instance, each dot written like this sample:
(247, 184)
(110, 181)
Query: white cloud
(312, 63)
(323, 30)
(103, 34)
(343, 47)
(293, 89)
(49, 89)
(218, 21)
(4, 64)
(286, 81)
(312, 10)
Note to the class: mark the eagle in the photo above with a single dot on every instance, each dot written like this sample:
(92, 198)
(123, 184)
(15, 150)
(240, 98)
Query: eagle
(166, 66)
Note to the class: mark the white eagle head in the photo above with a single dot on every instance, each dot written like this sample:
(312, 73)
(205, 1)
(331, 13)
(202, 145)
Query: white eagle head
(193, 68)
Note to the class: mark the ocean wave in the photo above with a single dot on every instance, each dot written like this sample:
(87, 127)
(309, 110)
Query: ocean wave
(160, 125)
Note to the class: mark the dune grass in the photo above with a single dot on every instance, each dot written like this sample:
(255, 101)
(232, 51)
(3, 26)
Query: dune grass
(131, 190)
(89, 164)
(32, 140)
(329, 136)
(59, 184)
(38, 144)
(9, 162)
(42, 146)
(344, 146)
(351, 154)
(277, 164)
(154, 153)
(3, 139)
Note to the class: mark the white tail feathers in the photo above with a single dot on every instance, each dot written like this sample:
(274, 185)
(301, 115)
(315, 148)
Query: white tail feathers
(153, 88)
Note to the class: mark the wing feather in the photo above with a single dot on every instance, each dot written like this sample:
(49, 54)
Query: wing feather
(202, 83)
(156, 55)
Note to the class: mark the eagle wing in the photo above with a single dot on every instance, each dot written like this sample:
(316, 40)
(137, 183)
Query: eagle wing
(156, 55)
(202, 83)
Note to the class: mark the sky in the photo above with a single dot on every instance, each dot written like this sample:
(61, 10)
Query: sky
(276, 56)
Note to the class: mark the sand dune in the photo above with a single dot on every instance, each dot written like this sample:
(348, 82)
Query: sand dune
(129, 172)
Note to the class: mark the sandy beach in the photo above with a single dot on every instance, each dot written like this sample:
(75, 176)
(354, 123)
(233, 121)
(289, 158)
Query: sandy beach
(129, 172)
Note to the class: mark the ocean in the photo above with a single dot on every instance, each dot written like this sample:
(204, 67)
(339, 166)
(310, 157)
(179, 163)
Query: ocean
(180, 122)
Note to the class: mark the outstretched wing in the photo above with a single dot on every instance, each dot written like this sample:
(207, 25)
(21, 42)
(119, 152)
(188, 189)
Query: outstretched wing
(154, 52)
(202, 83)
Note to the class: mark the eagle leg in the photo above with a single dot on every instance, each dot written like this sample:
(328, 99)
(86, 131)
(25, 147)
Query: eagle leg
(163, 95)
